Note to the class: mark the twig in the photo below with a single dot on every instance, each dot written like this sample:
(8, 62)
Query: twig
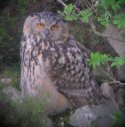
(87, 2)
(93, 27)
(92, 4)
(60, 1)
(86, 5)
(81, 2)
(118, 83)
(110, 77)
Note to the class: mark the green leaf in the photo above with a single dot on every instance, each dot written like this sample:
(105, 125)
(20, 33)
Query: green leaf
(69, 13)
(118, 61)
(117, 118)
(104, 22)
(119, 20)
(104, 19)
(97, 58)
(68, 9)
(106, 3)
(85, 15)
(115, 5)
(122, 2)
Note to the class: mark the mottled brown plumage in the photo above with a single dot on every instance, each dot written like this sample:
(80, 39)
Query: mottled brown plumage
(56, 63)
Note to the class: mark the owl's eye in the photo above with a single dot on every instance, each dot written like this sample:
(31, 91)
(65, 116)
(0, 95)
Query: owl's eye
(40, 25)
(54, 27)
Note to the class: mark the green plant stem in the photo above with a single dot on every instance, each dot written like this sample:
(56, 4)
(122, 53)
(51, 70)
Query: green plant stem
(109, 70)
(107, 74)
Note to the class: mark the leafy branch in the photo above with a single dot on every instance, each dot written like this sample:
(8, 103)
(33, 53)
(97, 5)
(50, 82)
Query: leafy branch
(90, 13)
(96, 59)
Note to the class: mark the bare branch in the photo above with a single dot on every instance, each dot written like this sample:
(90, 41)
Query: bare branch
(111, 78)
(89, 4)
(60, 1)
(93, 27)
(84, 2)
(120, 84)
(92, 4)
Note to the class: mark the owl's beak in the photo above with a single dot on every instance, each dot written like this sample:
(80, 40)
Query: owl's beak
(46, 33)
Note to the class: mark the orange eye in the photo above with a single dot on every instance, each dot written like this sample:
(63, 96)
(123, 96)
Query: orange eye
(40, 25)
(54, 27)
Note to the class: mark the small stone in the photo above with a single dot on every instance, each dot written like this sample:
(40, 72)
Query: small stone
(99, 115)
(83, 117)
(46, 121)
(107, 91)
(11, 93)
(6, 80)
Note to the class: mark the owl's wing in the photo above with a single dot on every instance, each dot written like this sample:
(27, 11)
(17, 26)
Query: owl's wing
(69, 70)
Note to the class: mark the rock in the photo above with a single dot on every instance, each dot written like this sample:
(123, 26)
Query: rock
(120, 73)
(101, 115)
(5, 80)
(47, 122)
(82, 117)
(12, 93)
(119, 96)
(107, 91)
(118, 46)
(118, 43)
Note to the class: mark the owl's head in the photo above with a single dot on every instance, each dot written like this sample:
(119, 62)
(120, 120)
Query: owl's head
(48, 25)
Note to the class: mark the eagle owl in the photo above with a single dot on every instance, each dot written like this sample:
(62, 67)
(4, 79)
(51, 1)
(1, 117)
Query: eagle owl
(53, 61)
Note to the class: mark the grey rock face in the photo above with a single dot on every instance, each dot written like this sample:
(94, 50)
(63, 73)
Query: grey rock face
(11, 93)
(117, 41)
(101, 115)
(6, 80)
(82, 117)
(118, 44)
(95, 115)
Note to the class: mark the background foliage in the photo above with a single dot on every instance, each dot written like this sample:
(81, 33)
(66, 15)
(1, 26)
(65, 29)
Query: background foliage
(12, 16)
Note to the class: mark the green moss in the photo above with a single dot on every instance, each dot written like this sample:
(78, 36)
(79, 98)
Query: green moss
(31, 111)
